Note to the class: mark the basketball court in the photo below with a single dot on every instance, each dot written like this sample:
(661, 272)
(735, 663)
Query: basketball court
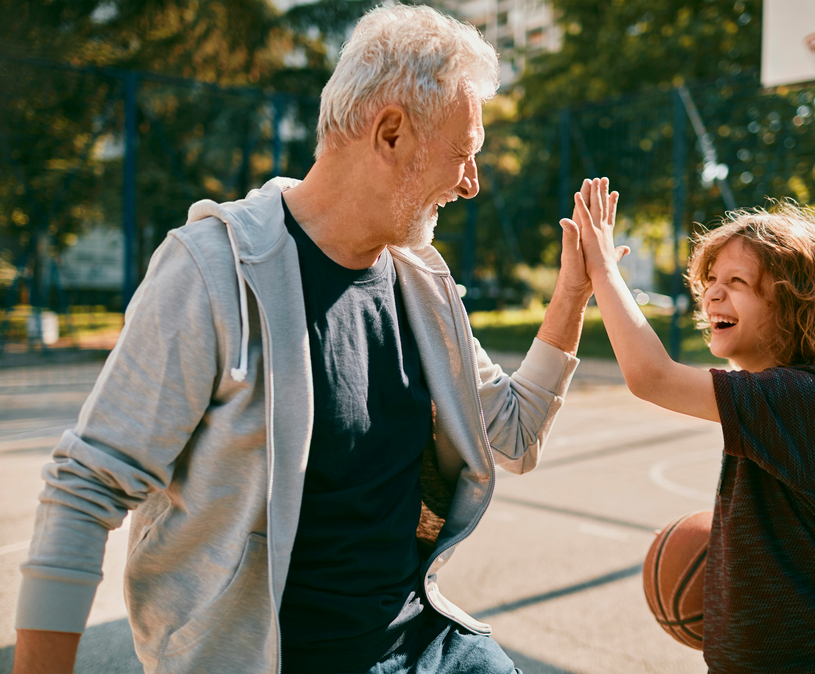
(554, 567)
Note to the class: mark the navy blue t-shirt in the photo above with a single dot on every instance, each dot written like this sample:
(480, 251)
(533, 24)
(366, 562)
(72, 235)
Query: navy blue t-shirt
(352, 588)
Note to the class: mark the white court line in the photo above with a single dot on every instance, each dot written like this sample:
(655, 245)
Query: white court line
(656, 473)
(23, 545)
(603, 532)
(39, 431)
(14, 547)
(623, 434)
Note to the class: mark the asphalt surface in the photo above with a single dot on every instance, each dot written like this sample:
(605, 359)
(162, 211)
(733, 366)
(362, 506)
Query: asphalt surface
(554, 567)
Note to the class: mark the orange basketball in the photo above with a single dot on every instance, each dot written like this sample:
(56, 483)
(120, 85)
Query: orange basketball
(673, 576)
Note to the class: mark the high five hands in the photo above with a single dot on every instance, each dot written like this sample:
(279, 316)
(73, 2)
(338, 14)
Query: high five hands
(590, 232)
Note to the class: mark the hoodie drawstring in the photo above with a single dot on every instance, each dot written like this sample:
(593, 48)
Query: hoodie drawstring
(239, 373)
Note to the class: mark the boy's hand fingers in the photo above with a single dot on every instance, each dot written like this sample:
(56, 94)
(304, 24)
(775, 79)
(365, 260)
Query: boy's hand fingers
(585, 190)
(582, 211)
(612, 206)
(604, 207)
(620, 252)
(595, 207)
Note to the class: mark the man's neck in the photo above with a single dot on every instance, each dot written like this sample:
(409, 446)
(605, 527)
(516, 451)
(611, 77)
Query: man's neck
(340, 209)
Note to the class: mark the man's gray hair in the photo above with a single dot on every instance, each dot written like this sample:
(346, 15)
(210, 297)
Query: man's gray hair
(411, 56)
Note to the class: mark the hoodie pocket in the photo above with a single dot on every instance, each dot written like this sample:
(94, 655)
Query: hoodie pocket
(234, 630)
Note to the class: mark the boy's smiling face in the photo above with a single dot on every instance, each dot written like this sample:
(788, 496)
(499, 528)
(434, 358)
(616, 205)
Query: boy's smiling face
(739, 315)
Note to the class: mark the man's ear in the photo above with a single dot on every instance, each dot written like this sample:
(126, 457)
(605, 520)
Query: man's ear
(392, 135)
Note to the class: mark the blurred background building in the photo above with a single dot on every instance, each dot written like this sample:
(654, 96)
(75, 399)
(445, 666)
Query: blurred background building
(518, 29)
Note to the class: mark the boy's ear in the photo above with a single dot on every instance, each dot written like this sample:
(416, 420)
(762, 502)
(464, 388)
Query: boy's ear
(392, 135)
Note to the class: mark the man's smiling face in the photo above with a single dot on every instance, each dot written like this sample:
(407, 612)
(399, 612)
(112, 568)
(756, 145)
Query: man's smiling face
(442, 169)
(739, 315)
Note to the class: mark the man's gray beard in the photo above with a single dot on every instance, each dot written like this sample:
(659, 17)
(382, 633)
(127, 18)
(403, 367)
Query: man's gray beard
(414, 225)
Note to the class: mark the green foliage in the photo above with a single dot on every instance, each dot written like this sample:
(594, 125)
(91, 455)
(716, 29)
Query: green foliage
(621, 46)
(610, 96)
(513, 331)
(62, 130)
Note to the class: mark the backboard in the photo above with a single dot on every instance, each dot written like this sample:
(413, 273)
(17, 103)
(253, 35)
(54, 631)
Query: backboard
(788, 42)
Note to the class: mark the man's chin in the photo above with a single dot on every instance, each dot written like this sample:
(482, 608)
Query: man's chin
(420, 235)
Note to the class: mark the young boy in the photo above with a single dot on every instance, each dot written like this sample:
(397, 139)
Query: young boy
(754, 281)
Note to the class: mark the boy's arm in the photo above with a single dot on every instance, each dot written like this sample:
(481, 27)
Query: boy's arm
(649, 371)
(41, 652)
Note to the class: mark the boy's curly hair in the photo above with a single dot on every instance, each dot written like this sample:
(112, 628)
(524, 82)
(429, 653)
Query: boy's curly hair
(783, 241)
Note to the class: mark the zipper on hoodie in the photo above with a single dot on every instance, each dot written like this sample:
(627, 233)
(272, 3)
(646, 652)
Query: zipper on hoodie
(267, 368)
(459, 314)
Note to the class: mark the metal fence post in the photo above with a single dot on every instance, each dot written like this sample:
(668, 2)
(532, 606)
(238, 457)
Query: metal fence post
(468, 245)
(277, 141)
(679, 198)
(129, 187)
(565, 187)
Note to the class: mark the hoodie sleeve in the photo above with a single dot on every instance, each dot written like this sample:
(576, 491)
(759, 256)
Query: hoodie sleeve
(151, 394)
(519, 410)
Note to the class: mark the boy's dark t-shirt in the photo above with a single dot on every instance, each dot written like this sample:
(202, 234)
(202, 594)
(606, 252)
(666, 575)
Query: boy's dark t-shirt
(352, 590)
(760, 579)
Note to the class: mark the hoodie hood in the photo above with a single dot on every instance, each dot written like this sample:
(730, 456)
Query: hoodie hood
(254, 224)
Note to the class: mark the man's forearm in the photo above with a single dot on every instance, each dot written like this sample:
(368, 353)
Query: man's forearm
(563, 320)
(42, 652)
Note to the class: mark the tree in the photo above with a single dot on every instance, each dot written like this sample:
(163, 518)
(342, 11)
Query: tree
(61, 130)
(608, 96)
(622, 46)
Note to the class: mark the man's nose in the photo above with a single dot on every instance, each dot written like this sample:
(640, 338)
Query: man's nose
(468, 187)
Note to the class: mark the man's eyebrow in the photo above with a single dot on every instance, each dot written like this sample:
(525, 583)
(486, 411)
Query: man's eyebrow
(475, 142)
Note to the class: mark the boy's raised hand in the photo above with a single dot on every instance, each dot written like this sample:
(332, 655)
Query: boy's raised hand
(594, 216)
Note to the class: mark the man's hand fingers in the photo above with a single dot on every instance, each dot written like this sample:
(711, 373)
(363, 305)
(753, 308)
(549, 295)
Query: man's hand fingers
(620, 252)
(571, 232)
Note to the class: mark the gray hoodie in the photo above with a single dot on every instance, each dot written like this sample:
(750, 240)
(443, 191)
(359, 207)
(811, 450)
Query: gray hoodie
(201, 421)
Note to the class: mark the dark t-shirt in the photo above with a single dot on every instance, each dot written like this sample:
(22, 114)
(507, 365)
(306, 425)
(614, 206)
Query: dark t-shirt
(352, 588)
(760, 580)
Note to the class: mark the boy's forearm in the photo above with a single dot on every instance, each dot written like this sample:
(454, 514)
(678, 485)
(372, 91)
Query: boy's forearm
(639, 351)
(42, 652)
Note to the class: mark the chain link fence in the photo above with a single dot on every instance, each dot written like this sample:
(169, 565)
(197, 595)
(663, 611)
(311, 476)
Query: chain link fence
(97, 165)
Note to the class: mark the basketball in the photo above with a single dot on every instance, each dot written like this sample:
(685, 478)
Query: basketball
(673, 576)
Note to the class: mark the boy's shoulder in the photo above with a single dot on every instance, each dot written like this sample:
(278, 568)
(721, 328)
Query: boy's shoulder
(778, 386)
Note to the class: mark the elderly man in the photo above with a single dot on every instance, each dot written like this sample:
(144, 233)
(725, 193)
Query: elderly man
(297, 410)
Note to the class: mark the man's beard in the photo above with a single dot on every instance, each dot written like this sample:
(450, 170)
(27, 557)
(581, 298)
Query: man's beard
(414, 223)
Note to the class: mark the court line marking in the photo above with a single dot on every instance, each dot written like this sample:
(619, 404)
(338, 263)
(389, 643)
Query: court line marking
(576, 513)
(603, 532)
(657, 475)
(23, 545)
(14, 547)
(612, 577)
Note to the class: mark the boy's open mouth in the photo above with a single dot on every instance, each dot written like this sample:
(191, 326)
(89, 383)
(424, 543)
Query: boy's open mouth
(723, 322)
